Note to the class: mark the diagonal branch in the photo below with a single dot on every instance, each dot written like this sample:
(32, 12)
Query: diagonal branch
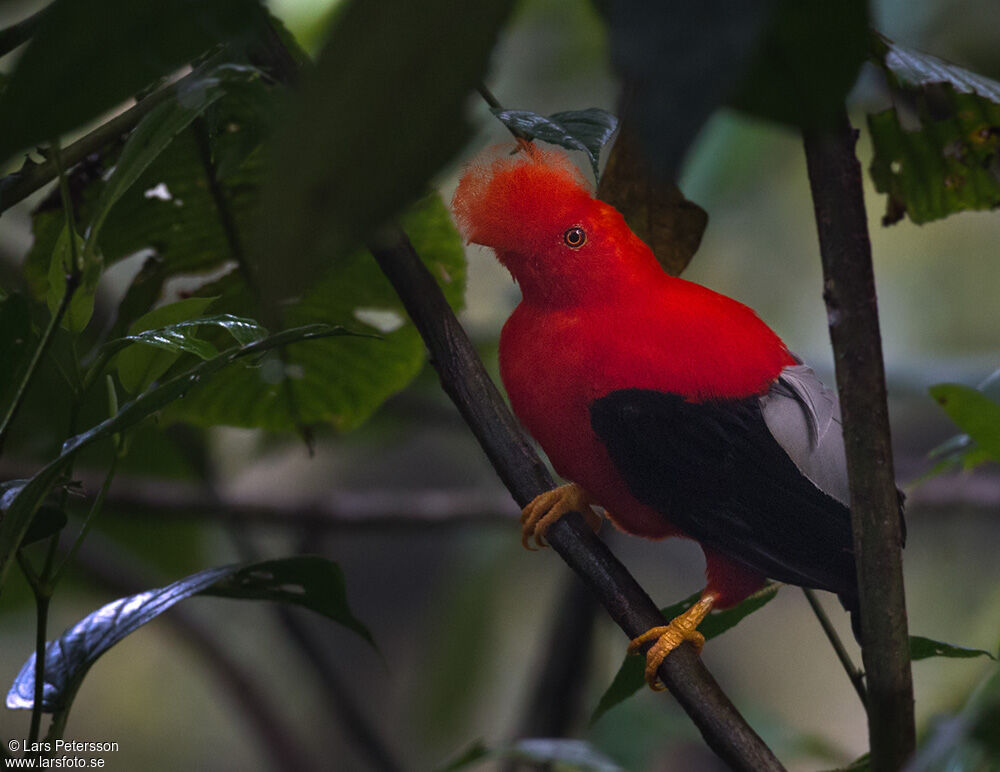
(849, 291)
(465, 380)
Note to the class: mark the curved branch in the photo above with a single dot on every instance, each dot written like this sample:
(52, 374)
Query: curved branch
(465, 380)
(849, 291)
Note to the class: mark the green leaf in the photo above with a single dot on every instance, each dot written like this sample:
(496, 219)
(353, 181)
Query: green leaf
(924, 648)
(308, 581)
(81, 306)
(340, 382)
(974, 413)
(364, 135)
(563, 754)
(587, 130)
(951, 161)
(15, 339)
(22, 509)
(630, 677)
(90, 55)
(158, 129)
(139, 366)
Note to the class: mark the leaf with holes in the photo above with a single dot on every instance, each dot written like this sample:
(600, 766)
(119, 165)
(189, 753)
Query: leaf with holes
(587, 130)
(630, 677)
(308, 581)
(949, 160)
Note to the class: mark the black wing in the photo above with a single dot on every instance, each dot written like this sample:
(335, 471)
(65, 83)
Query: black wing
(716, 471)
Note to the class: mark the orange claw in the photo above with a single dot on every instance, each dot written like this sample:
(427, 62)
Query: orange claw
(668, 637)
(545, 509)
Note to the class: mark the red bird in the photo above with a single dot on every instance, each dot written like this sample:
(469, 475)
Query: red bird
(673, 407)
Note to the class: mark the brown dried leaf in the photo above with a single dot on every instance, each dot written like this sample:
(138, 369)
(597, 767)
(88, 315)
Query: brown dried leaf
(659, 214)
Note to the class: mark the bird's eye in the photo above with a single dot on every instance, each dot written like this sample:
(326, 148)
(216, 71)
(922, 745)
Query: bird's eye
(575, 237)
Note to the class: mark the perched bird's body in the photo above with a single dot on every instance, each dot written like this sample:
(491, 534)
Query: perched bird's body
(672, 406)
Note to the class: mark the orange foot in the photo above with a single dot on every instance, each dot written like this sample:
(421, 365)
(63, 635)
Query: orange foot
(669, 637)
(544, 510)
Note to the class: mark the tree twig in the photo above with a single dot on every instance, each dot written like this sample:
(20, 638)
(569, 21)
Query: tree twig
(856, 677)
(465, 380)
(852, 310)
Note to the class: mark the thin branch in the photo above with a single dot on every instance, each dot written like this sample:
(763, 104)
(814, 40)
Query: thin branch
(465, 380)
(21, 184)
(852, 310)
(856, 676)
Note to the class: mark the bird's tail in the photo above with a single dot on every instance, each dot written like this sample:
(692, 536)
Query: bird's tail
(852, 606)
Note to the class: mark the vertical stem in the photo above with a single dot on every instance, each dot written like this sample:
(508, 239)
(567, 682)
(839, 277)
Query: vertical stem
(42, 599)
(849, 291)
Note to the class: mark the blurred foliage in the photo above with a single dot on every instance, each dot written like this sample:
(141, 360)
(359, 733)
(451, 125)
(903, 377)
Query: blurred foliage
(951, 163)
(977, 413)
(969, 741)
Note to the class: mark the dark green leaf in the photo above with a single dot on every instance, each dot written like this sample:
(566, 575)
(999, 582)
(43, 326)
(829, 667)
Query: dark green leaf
(806, 61)
(657, 212)
(365, 135)
(679, 62)
(47, 521)
(312, 582)
(15, 339)
(974, 413)
(139, 366)
(587, 130)
(787, 60)
(176, 339)
(340, 382)
(951, 161)
(924, 648)
(89, 55)
(21, 510)
(630, 677)
(309, 581)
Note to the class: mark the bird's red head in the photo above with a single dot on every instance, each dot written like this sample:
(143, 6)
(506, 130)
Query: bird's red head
(535, 210)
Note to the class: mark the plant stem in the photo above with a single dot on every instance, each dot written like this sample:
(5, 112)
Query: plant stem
(72, 282)
(465, 380)
(42, 598)
(95, 508)
(852, 310)
(856, 676)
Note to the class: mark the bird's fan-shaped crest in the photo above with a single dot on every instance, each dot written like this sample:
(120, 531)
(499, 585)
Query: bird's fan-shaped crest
(511, 202)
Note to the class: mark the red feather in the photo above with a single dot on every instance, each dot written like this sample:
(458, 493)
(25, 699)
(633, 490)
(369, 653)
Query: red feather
(602, 317)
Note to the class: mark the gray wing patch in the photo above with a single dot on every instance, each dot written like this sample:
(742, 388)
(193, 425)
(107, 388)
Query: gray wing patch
(804, 417)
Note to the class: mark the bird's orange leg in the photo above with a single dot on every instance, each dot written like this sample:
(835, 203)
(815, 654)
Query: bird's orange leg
(544, 510)
(669, 637)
